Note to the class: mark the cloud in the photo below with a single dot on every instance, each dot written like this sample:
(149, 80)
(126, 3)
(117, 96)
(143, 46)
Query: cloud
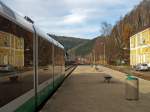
(77, 16)
(82, 32)
(81, 18)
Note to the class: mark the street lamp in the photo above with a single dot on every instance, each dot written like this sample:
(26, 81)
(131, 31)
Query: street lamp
(94, 61)
(102, 43)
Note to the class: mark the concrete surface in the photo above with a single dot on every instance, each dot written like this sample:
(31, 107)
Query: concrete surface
(86, 91)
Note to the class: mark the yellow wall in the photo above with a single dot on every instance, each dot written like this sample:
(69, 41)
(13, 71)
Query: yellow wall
(11, 49)
(140, 47)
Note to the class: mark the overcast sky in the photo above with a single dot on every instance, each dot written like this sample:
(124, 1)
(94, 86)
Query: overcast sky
(78, 18)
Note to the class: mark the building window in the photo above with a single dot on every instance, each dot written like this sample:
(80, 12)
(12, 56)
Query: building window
(6, 40)
(21, 43)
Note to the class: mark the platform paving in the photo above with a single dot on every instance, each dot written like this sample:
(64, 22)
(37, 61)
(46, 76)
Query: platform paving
(85, 91)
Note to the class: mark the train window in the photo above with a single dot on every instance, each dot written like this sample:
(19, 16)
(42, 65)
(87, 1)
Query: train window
(16, 62)
(45, 68)
(58, 62)
(56, 71)
(62, 60)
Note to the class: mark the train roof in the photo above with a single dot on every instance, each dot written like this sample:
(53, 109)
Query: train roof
(19, 20)
(16, 18)
(46, 36)
(57, 43)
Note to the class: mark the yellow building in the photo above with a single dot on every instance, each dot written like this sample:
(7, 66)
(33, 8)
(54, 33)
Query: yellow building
(140, 47)
(11, 49)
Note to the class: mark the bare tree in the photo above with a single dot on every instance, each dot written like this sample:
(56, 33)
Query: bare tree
(105, 29)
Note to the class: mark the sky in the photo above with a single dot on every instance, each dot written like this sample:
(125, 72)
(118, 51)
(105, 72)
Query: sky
(76, 18)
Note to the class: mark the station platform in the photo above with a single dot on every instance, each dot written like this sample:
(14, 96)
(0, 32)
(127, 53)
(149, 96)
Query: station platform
(85, 91)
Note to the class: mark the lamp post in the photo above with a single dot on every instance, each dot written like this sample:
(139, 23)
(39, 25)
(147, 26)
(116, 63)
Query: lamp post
(94, 61)
(103, 52)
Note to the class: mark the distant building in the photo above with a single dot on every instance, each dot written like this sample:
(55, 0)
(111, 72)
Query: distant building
(140, 47)
(11, 50)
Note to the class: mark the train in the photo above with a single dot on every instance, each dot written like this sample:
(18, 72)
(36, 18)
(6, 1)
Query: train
(32, 64)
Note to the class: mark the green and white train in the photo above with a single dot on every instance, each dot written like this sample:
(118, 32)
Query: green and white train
(32, 64)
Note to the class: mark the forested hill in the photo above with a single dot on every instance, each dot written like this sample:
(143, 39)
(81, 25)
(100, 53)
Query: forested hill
(83, 49)
(76, 46)
(117, 39)
(69, 42)
(133, 22)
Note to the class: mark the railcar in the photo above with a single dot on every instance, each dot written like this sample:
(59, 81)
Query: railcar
(31, 63)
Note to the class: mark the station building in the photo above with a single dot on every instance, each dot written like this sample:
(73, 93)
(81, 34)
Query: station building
(11, 50)
(140, 47)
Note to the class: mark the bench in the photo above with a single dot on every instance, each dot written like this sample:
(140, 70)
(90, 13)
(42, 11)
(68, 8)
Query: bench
(107, 79)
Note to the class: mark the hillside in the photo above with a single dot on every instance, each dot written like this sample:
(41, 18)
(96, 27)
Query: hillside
(116, 40)
(131, 23)
(69, 42)
(88, 47)
(76, 46)
(83, 49)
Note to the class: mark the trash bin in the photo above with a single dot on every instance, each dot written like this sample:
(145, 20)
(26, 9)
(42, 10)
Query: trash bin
(132, 88)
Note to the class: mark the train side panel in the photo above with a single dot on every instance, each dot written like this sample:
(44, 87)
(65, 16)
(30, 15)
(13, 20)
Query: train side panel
(16, 66)
(31, 64)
